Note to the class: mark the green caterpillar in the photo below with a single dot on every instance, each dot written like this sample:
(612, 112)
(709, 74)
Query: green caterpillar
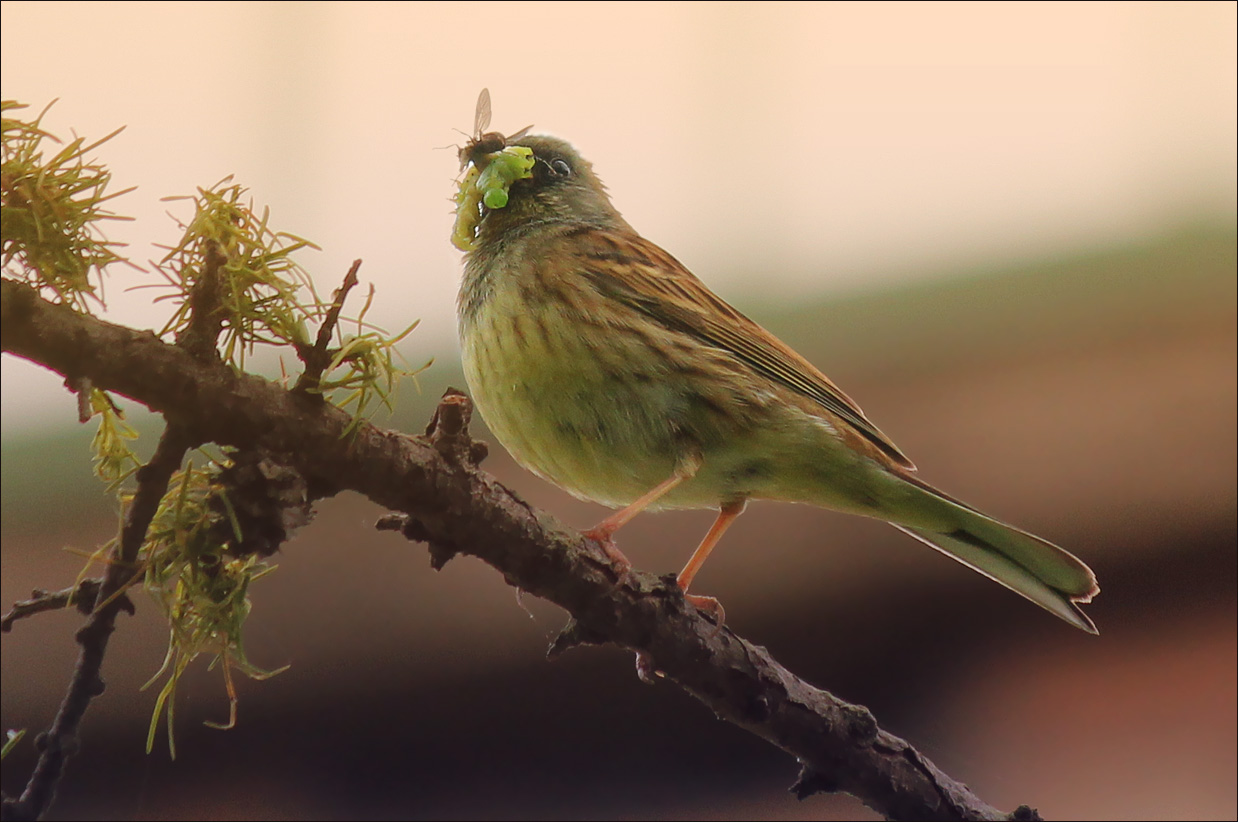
(487, 189)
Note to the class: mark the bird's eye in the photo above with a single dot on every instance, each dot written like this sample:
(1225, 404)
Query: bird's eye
(560, 167)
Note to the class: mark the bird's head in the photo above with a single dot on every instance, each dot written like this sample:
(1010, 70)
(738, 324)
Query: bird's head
(555, 185)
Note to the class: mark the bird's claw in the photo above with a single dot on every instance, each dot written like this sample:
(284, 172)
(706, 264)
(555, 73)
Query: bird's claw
(711, 608)
(604, 539)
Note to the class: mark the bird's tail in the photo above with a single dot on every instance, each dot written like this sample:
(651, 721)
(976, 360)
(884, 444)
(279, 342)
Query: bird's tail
(1049, 576)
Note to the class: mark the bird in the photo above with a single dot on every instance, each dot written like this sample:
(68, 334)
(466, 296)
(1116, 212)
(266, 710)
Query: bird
(606, 367)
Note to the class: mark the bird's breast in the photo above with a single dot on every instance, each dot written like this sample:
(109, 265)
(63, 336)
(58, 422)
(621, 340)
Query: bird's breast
(575, 401)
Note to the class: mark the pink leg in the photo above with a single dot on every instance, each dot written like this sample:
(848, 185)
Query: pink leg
(727, 515)
(604, 531)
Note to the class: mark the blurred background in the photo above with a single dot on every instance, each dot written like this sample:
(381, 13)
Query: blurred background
(1007, 230)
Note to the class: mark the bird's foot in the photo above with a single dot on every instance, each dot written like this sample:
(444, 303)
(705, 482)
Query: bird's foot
(605, 539)
(711, 608)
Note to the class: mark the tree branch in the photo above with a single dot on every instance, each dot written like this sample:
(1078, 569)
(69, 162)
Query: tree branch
(82, 596)
(59, 742)
(434, 481)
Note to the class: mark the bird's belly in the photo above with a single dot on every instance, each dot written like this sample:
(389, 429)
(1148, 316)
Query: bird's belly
(579, 412)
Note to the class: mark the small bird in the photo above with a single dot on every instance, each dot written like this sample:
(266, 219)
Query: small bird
(605, 367)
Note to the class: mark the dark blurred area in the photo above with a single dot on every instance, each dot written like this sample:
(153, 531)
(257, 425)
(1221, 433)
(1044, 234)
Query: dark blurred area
(1090, 400)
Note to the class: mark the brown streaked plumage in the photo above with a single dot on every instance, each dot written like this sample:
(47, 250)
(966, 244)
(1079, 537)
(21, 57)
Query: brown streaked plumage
(606, 367)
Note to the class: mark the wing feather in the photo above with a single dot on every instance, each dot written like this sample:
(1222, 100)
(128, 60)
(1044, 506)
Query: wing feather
(643, 276)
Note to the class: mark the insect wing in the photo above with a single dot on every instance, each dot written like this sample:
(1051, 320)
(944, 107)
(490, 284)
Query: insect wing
(481, 119)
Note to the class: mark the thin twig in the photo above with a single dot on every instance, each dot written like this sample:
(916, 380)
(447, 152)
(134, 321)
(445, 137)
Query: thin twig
(318, 357)
(59, 742)
(82, 389)
(205, 320)
(82, 595)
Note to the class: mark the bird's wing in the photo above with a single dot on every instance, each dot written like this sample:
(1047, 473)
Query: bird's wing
(641, 275)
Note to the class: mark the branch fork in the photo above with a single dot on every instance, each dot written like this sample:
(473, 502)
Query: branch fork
(443, 498)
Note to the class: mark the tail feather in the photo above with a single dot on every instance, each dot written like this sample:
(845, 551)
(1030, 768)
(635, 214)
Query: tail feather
(988, 560)
(1047, 575)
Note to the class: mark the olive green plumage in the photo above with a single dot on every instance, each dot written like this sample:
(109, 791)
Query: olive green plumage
(606, 367)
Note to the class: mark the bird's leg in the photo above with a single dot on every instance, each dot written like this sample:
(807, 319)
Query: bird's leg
(604, 531)
(726, 515)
